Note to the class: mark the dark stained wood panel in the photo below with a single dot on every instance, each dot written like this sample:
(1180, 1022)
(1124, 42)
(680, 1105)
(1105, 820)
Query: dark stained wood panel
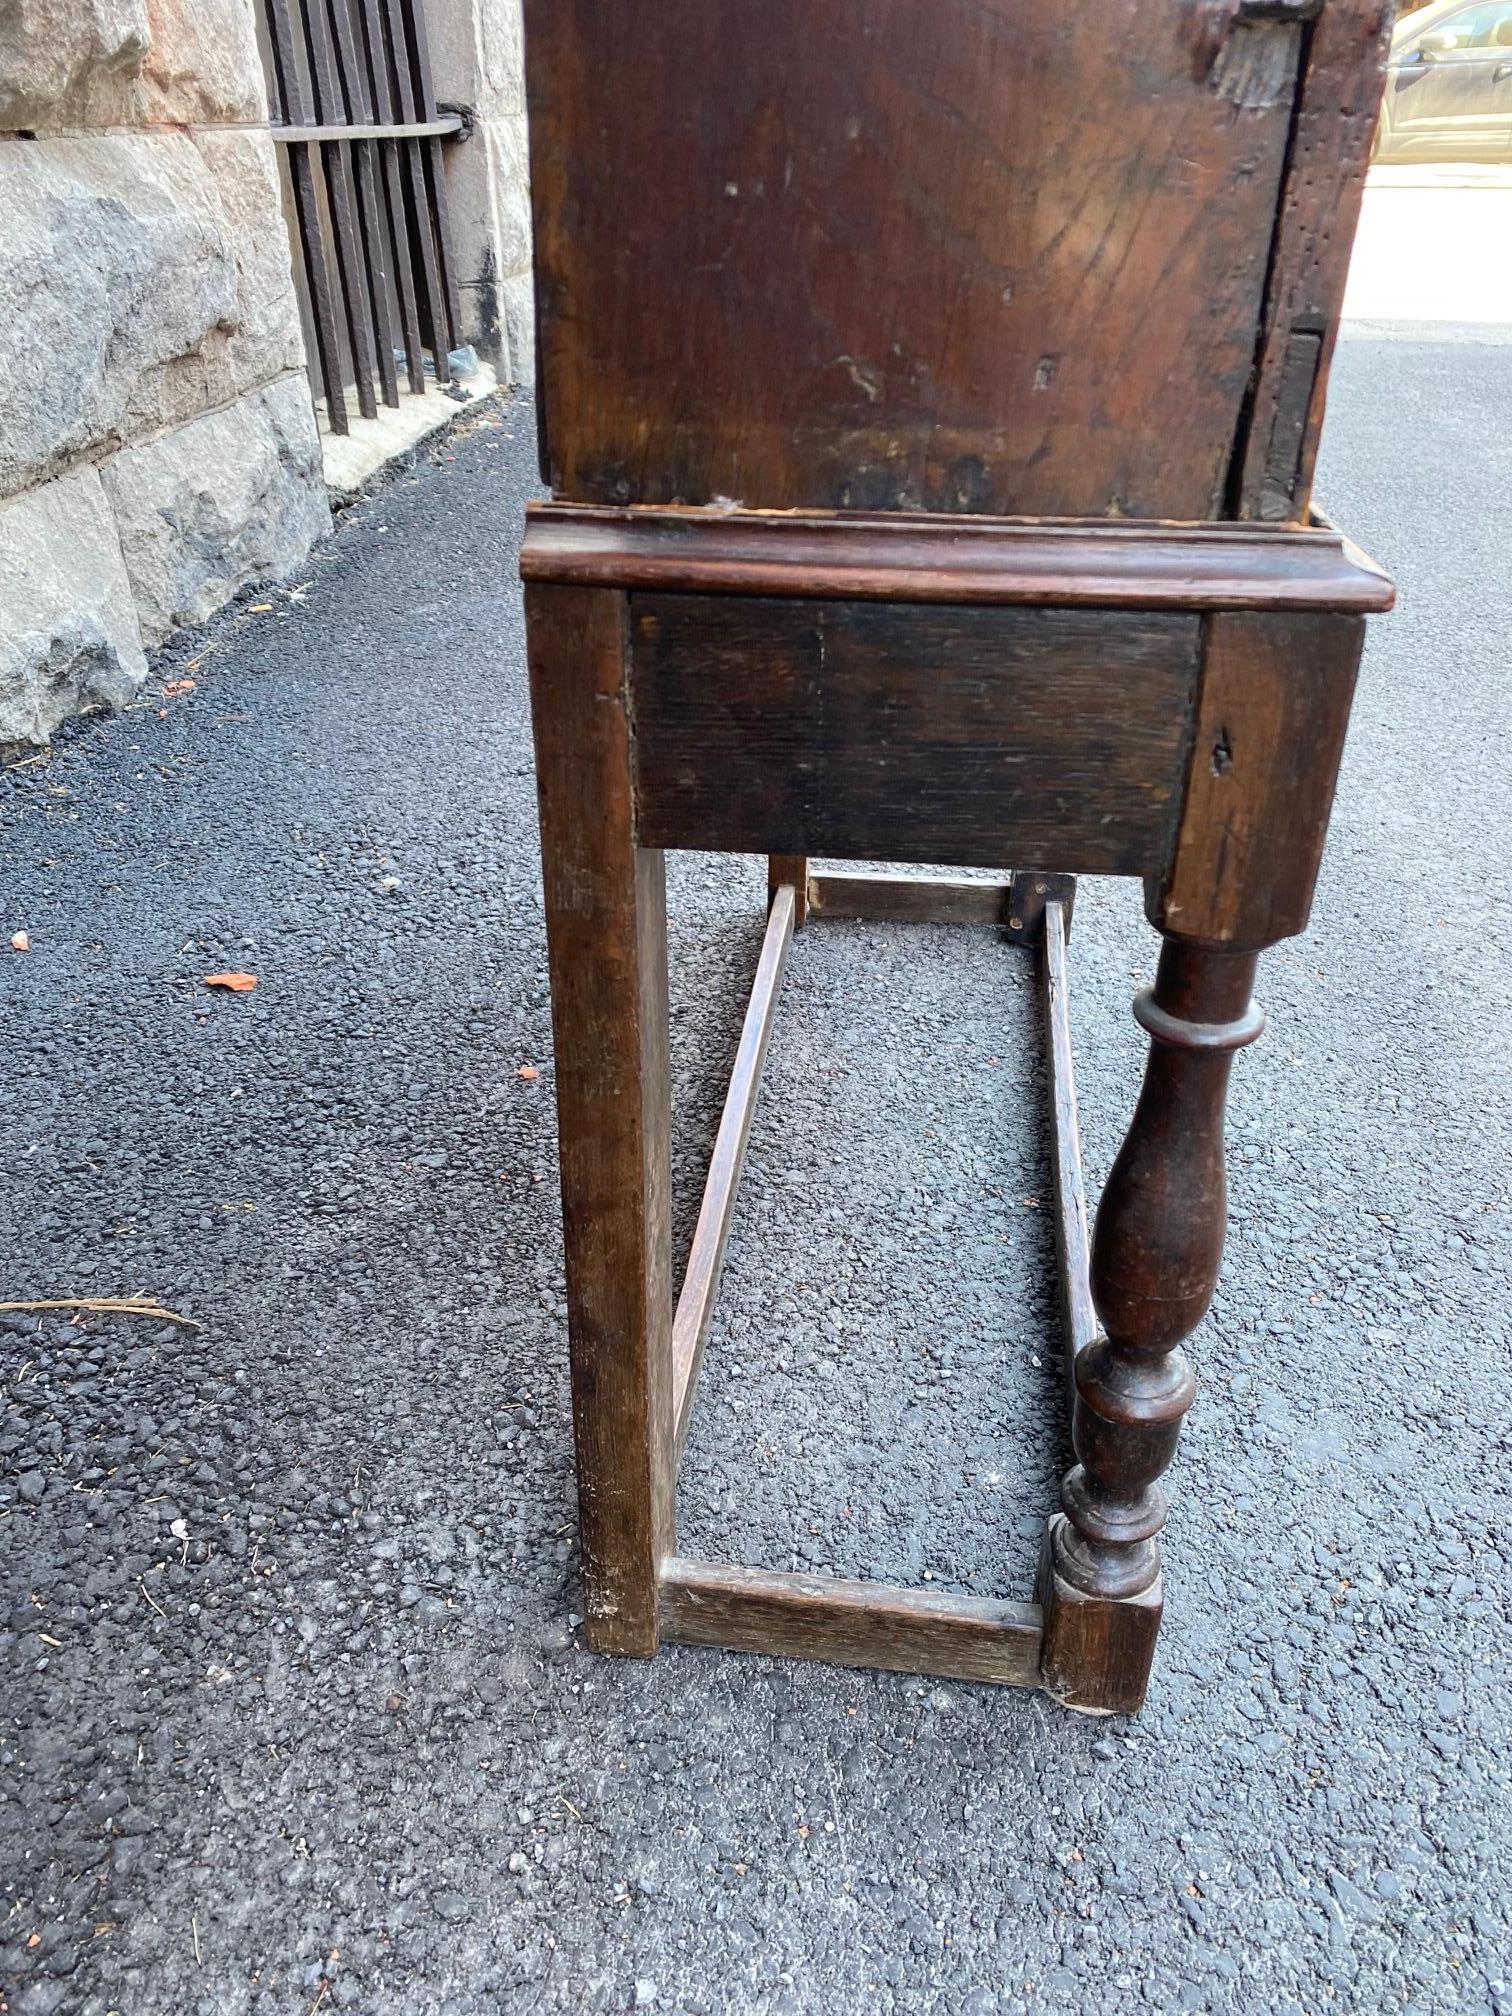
(942, 255)
(888, 731)
(1338, 103)
(1270, 727)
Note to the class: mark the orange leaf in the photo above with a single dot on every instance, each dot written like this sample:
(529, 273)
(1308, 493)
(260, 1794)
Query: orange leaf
(20, 942)
(237, 983)
(176, 686)
(527, 1071)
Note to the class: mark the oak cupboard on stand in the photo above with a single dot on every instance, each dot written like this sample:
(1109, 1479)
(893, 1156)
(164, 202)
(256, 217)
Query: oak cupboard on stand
(930, 392)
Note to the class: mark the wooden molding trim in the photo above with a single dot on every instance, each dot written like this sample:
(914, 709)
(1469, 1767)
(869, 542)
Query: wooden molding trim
(904, 558)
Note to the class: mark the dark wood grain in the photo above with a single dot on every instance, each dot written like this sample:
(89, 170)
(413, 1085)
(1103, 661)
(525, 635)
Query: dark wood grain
(930, 390)
(1337, 107)
(1095, 1655)
(909, 899)
(606, 936)
(790, 871)
(711, 1235)
(910, 559)
(1156, 1249)
(851, 1623)
(923, 254)
(1031, 891)
(1271, 719)
(879, 731)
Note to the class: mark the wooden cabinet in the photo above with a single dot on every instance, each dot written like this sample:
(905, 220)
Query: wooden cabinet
(930, 392)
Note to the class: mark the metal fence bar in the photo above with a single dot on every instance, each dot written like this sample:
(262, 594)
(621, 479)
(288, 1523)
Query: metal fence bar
(425, 105)
(376, 50)
(365, 168)
(290, 92)
(443, 126)
(363, 139)
(337, 166)
(419, 195)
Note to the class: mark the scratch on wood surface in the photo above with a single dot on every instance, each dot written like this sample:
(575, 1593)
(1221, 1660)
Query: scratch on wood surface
(864, 376)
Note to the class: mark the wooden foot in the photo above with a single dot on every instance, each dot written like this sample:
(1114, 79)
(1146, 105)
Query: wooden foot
(1095, 1653)
(1155, 1256)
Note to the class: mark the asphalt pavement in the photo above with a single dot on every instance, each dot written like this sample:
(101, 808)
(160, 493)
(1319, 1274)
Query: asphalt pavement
(295, 1716)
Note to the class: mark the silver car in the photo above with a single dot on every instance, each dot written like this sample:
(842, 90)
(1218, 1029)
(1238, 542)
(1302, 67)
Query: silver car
(1449, 84)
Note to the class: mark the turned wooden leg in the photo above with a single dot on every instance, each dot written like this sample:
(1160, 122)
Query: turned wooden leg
(607, 940)
(1156, 1250)
(793, 868)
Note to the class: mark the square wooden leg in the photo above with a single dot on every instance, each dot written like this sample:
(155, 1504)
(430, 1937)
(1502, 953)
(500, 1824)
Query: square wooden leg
(1096, 1652)
(785, 869)
(606, 935)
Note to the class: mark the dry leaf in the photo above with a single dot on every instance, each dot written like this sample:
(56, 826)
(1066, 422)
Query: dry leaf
(20, 942)
(174, 687)
(527, 1071)
(236, 983)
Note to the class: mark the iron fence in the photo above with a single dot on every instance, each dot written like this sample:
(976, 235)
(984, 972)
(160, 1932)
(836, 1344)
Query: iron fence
(356, 117)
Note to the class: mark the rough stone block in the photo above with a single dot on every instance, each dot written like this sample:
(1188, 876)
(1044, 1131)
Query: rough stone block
(232, 497)
(501, 46)
(69, 63)
(203, 65)
(265, 341)
(488, 205)
(68, 628)
(517, 306)
(117, 265)
(509, 146)
(478, 55)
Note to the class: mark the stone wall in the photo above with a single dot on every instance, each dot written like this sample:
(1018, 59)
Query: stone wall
(478, 60)
(157, 443)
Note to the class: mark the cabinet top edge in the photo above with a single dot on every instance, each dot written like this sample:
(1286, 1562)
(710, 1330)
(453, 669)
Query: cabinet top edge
(910, 558)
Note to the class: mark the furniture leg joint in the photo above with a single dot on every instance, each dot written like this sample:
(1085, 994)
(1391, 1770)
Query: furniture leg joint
(1029, 890)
